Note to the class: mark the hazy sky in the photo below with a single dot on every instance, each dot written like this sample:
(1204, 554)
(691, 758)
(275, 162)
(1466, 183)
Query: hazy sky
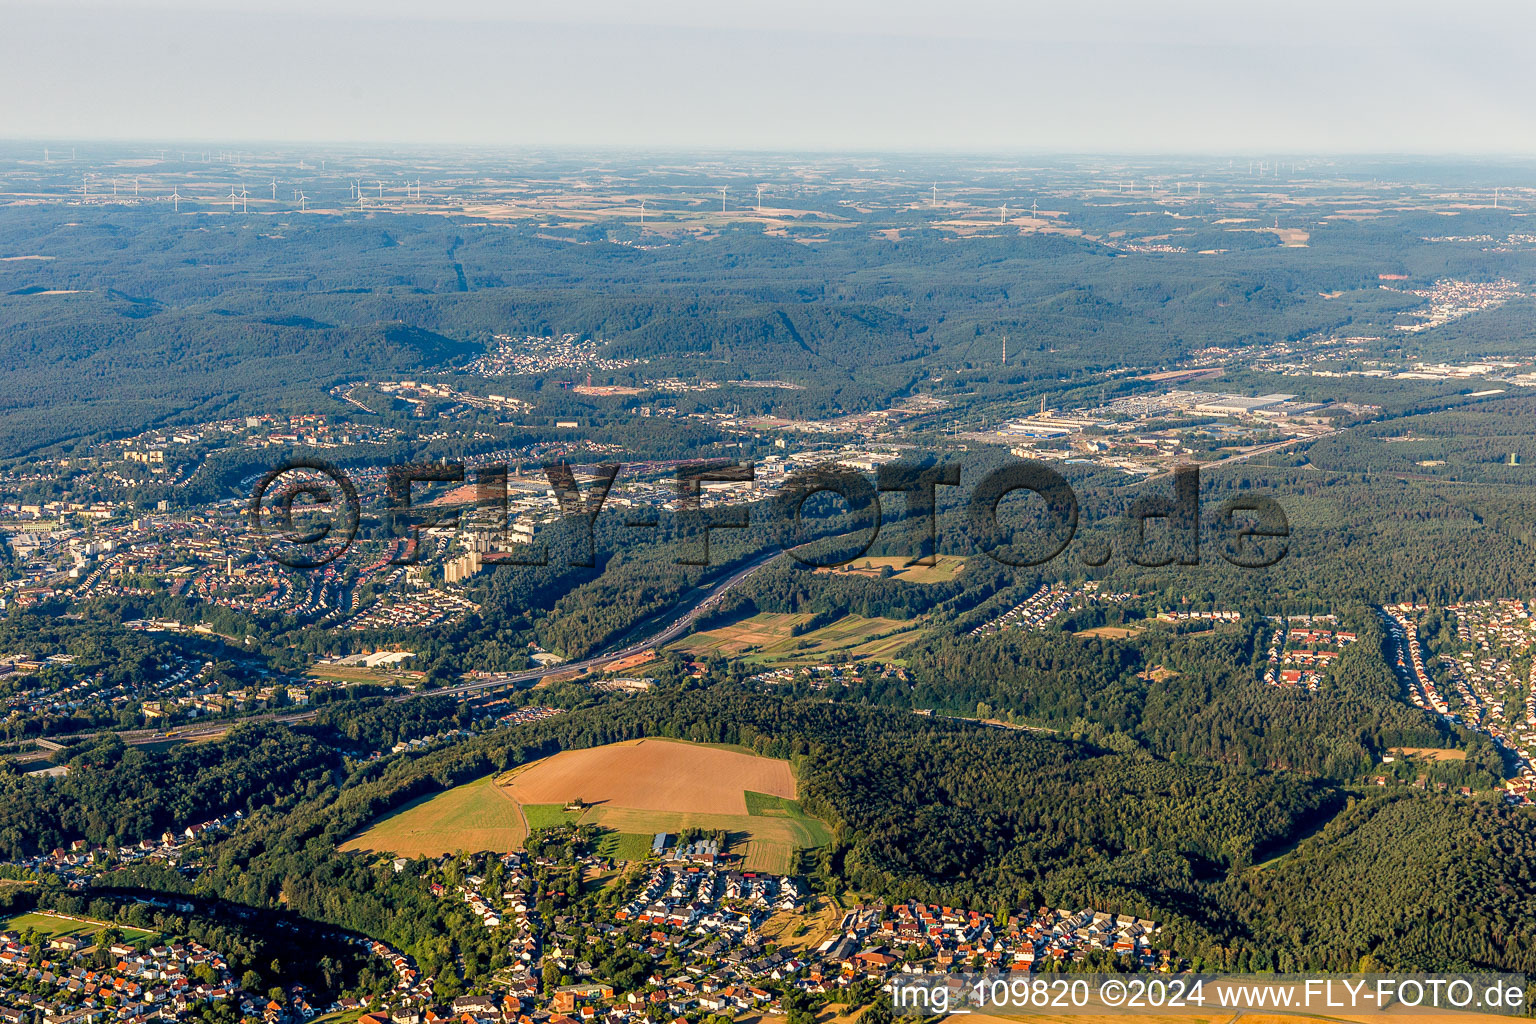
(1109, 75)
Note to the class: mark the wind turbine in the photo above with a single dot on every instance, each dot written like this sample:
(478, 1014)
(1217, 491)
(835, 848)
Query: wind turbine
(303, 201)
(759, 199)
(175, 199)
(1034, 208)
(242, 198)
(722, 200)
(642, 213)
(418, 189)
(274, 189)
(232, 198)
(359, 200)
(935, 193)
(381, 190)
(1002, 217)
(135, 184)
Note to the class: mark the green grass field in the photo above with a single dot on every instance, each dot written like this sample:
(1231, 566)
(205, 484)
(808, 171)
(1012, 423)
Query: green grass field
(339, 1017)
(812, 831)
(358, 674)
(547, 816)
(614, 845)
(53, 927)
(768, 640)
(767, 805)
(625, 846)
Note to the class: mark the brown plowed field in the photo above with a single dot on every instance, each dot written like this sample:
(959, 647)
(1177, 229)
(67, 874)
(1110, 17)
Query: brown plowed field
(653, 775)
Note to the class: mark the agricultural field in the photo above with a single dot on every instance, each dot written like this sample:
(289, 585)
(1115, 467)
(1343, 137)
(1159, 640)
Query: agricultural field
(631, 790)
(770, 640)
(1430, 753)
(475, 816)
(653, 774)
(944, 569)
(537, 816)
(1111, 632)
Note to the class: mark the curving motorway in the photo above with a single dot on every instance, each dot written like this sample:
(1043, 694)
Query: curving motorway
(676, 628)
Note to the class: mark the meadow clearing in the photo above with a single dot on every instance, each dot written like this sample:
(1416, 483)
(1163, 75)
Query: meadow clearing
(53, 926)
(944, 569)
(632, 790)
(770, 640)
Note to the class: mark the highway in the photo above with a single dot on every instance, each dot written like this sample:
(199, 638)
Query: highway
(1264, 449)
(676, 628)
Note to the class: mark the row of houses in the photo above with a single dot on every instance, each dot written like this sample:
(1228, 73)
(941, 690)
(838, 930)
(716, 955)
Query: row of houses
(1300, 655)
(705, 900)
(955, 938)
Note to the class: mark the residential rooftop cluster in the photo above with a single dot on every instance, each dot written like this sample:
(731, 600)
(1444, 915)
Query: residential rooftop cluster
(1302, 648)
(62, 984)
(1481, 684)
(957, 938)
(1045, 605)
(1450, 299)
(710, 902)
(570, 353)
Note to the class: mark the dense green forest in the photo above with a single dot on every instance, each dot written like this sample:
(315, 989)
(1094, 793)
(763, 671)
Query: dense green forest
(140, 317)
(125, 794)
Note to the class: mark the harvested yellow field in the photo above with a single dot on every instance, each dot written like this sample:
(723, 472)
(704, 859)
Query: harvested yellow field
(1431, 753)
(1110, 632)
(944, 569)
(653, 775)
(471, 817)
(774, 640)
(631, 790)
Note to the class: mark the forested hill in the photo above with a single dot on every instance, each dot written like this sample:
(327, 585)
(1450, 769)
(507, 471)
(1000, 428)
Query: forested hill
(130, 316)
(960, 813)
